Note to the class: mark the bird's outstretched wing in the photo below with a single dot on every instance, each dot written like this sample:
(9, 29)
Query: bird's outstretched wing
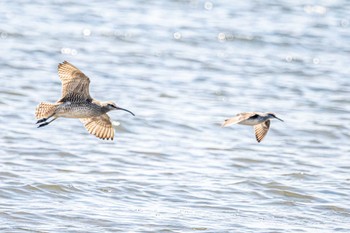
(100, 126)
(261, 130)
(75, 84)
(238, 118)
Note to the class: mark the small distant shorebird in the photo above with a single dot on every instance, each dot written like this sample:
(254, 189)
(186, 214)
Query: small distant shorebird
(76, 102)
(260, 121)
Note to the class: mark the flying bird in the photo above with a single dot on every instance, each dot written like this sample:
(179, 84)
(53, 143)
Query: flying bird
(260, 121)
(76, 102)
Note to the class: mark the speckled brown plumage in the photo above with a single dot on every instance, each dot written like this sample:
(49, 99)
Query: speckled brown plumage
(76, 102)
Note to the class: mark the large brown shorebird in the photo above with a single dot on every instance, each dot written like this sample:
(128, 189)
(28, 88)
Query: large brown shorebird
(76, 102)
(260, 121)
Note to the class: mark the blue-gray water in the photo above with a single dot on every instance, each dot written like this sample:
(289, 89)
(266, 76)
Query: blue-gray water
(182, 67)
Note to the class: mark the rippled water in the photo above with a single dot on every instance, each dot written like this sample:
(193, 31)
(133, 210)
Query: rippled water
(182, 67)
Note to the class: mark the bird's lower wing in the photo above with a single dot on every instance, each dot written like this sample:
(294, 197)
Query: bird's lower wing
(261, 130)
(100, 126)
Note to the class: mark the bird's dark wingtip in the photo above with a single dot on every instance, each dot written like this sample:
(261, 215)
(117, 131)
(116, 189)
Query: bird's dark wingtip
(62, 63)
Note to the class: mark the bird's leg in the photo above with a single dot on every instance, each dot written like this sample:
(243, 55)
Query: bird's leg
(44, 119)
(41, 120)
(46, 123)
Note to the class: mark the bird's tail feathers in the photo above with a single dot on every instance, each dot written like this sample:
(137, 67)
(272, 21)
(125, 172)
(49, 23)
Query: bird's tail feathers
(229, 121)
(44, 110)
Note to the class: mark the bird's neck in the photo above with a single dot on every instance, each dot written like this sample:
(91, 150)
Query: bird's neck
(105, 109)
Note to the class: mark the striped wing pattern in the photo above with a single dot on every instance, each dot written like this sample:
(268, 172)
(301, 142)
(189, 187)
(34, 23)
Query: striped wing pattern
(100, 126)
(261, 130)
(75, 84)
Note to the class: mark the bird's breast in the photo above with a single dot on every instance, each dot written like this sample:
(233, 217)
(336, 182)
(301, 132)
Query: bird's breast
(252, 122)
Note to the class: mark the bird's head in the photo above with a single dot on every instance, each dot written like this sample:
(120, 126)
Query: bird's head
(272, 115)
(110, 105)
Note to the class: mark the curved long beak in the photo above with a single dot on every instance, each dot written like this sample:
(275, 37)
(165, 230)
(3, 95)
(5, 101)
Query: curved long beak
(279, 119)
(118, 108)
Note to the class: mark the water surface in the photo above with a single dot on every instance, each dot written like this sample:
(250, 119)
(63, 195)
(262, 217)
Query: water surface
(182, 67)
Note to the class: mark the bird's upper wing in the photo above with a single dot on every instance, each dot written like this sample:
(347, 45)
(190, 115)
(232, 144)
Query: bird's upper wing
(75, 84)
(238, 118)
(261, 130)
(100, 126)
